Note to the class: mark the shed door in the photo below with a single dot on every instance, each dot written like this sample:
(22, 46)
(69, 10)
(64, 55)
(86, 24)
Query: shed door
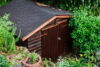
(54, 40)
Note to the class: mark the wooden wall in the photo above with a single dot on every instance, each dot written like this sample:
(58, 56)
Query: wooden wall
(35, 43)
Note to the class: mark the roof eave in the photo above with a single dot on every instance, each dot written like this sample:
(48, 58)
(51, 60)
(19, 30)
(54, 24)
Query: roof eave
(43, 25)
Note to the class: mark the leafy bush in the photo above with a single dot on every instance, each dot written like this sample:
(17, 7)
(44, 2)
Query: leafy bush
(86, 30)
(3, 2)
(3, 62)
(94, 5)
(7, 35)
(70, 4)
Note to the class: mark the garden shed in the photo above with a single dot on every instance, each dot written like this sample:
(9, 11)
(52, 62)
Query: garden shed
(43, 29)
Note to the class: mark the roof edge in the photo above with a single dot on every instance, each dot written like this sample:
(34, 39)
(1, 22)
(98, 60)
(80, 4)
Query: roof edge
(43, 25)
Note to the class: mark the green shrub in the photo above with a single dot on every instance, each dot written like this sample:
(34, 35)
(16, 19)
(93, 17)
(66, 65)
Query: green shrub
(86, 31)
(3, 2)
(7, 35)
(71, 4)
(94, 5)
(3, 62)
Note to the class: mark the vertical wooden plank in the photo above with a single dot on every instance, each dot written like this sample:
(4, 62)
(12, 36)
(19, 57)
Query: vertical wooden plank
(49, 43)
(56, 42)
(64, 34)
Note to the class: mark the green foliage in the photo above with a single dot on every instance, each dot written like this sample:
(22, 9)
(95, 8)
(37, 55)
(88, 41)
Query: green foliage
(3, 2)
(71, 4)
(90, 59)
(94, 5)
(33, 57)
(75, 62)
(18, 56)
(4, 62)
(86, 31)
(98, 56)
(71, 62)
(7, 35)
(47, 63)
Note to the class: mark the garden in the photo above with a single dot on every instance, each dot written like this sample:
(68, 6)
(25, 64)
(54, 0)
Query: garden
(85, 24)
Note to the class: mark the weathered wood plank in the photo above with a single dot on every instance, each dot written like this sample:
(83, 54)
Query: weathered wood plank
(35, 47)
(34, 41)
(35, 44)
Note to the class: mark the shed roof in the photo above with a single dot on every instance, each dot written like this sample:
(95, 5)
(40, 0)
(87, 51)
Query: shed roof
(27, 15)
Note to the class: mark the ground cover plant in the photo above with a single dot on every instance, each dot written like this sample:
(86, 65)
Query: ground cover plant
(47, 63)
(4, 62)
(75, 62)
(71, 62)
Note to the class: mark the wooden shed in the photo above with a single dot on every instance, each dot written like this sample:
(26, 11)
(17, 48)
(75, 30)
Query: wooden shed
(43, 29)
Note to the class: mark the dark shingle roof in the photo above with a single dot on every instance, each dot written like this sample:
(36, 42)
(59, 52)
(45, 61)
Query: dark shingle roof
(27, 15)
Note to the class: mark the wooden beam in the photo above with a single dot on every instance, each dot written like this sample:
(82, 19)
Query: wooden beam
(54, 25)
(63, 16)
(43, 25)
(40, 27)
